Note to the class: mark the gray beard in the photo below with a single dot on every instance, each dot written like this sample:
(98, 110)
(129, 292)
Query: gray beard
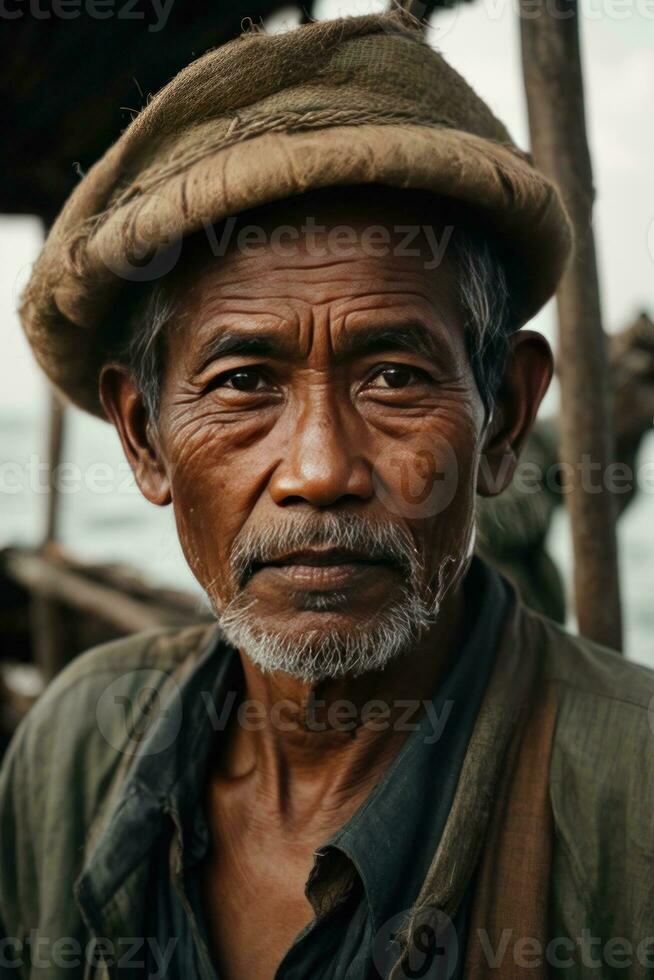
(330, 653)
(319, 654)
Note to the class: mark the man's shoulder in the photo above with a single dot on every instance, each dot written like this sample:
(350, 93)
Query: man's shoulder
(67, 754)
(582, 668)
(153, 660)
(601, 777)
(605, 704)
(162, 648)
(604, 729)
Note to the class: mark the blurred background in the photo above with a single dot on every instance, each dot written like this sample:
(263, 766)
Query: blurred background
(101, 517)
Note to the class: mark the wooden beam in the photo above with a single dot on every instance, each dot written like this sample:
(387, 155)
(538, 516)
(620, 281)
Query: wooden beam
(49, 579)
(555, 99)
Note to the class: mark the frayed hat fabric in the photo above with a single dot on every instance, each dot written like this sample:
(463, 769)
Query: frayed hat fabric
(358, 100)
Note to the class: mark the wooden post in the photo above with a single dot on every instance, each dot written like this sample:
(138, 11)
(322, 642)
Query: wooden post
(47, 621)
(555, 99)
(56, 422)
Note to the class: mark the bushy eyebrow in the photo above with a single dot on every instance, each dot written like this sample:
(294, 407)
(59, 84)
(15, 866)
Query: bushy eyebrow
(241, 343)
(414, 338)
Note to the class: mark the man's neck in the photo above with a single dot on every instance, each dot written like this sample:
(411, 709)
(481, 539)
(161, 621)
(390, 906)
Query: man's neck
(312, 751)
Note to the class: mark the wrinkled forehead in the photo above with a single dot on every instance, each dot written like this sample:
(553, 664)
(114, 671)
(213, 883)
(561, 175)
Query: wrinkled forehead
(371, 225)
(322, 273)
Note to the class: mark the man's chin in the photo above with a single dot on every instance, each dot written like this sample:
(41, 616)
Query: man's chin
(304, 613)
(329, 639)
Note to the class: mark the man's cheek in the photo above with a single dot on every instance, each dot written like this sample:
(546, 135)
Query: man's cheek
(214, 492)
(200, 547)
(203, 524)
(199, 467)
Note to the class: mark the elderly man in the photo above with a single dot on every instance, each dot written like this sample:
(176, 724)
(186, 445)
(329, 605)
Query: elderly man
(294, 286)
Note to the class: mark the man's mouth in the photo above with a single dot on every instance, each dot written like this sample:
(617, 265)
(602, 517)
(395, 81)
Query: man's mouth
(323, 569)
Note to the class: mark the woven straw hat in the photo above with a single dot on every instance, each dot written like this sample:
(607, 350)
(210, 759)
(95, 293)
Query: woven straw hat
(350, 101)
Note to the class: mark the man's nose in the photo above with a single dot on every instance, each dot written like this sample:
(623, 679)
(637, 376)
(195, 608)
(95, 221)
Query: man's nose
(324, 463)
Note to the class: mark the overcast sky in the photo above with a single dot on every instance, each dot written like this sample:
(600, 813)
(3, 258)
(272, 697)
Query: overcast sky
(481, 41)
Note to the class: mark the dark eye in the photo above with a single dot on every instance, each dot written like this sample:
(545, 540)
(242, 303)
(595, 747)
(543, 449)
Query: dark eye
(398, 376)
(243, 380)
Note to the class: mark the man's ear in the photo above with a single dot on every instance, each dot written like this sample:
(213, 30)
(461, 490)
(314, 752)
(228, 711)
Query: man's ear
(125, 408)
(528, 372)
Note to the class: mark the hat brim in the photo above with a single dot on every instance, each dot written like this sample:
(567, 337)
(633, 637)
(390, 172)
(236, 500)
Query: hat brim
(519, 206)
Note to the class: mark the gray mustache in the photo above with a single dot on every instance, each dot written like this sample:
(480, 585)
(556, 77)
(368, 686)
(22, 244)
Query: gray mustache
(378, 542)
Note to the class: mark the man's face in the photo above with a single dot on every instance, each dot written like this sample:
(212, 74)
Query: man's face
(320, 430)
